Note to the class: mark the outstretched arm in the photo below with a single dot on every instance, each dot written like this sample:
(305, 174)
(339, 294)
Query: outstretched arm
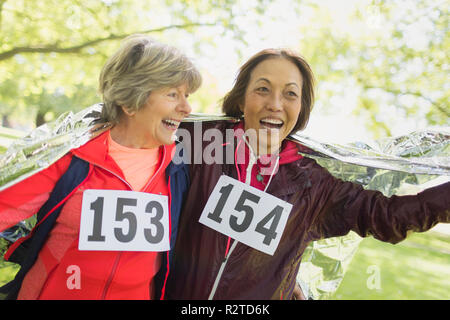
(344, 206)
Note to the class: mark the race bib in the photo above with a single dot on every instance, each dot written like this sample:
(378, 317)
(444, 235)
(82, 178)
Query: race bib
(117, 220)
(246, 214)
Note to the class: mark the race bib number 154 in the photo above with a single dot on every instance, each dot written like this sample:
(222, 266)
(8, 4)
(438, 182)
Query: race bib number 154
(246, 214)
(118, 220)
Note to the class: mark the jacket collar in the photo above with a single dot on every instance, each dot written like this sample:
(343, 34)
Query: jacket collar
(289, 179)
(96, 153)
(289, 149)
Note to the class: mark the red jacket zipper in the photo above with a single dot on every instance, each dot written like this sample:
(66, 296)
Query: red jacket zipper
(111, 276)
(163, 290)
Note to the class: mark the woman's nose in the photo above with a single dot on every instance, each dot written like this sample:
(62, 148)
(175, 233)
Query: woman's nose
(184, 107)
(275, 103)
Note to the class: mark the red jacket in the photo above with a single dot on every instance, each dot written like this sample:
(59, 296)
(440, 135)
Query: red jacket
(104, 274)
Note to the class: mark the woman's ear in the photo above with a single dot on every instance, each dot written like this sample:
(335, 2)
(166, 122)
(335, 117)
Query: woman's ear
(241, 106)
(127, 111)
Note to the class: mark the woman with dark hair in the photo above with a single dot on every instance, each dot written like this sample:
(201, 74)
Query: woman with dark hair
(246, 223)
(234, 101)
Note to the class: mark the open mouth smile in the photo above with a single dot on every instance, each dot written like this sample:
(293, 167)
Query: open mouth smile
(171, 124)
(271, 123)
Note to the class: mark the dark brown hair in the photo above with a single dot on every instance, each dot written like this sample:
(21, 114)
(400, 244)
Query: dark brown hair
(236, 96)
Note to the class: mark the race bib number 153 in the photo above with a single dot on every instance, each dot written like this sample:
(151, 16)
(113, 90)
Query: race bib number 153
(246, 214)
(118, 220)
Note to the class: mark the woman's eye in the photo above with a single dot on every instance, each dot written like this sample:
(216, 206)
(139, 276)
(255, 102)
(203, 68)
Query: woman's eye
(292, 94)
(262, 89)
(172, 94)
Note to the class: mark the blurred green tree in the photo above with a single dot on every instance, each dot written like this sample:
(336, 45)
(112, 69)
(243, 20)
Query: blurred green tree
(391, 57)
(51, 51)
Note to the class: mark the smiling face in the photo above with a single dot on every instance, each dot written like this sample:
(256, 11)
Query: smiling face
(272, 103)
(155, 123)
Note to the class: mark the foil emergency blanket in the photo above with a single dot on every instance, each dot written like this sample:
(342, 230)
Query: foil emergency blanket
(390, 166)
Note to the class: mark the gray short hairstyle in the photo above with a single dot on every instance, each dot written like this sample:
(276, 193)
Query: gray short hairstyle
(139, 66)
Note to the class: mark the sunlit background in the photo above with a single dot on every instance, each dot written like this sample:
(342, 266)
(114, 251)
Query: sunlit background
(382, 67)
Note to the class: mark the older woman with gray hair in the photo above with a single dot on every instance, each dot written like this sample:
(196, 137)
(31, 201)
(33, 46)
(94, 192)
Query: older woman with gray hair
(89, 242)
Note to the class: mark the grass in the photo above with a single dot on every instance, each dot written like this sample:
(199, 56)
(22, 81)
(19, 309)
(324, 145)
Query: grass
(417, 268)
(7, 271)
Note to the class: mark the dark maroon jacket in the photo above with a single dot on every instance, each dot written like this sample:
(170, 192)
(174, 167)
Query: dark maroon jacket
(323, 207)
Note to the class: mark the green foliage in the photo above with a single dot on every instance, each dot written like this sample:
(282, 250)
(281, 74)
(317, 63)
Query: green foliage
(51, 51)
(414, 269)
(392, 57)
(389, 58)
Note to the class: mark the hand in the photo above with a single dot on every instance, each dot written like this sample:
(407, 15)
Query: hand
(298, 293)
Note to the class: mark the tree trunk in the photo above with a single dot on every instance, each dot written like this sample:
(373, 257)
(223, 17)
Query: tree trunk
(40, 119)
(5, 121)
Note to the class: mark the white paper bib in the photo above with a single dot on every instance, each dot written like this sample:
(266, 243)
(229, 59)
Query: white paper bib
(118, 220)
(246, 214)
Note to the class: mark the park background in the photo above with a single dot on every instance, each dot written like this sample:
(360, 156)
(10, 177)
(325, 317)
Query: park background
(381, 67)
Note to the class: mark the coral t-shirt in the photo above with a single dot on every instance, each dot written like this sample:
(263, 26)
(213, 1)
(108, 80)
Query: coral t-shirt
(138, 165)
